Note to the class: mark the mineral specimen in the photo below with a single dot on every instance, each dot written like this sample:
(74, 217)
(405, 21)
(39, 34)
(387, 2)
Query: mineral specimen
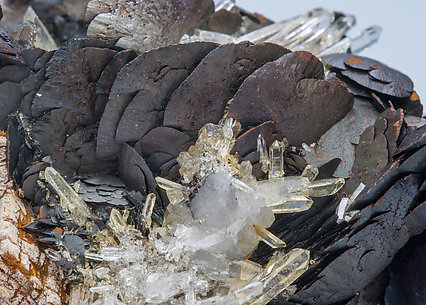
(27, 276)
(145, 25)
(214, 221)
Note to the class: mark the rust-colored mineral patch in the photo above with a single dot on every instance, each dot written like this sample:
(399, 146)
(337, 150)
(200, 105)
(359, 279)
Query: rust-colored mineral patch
(26, 274)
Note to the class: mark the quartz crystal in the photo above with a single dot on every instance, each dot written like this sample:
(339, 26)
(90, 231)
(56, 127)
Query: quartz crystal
(217, 216)
(319, 31)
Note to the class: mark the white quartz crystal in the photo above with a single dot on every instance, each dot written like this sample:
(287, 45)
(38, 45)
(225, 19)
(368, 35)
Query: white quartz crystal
(216, 217)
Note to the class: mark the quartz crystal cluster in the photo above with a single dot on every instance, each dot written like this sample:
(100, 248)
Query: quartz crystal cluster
(319, 31)
(216, 217)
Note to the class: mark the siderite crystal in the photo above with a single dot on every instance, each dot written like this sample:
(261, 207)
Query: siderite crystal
(216, 217)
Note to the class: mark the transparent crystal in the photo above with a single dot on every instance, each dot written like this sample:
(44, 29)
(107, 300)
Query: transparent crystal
(174, 191)
(69, 199)
(276, 155)
(291, 204)
(325, 187)
(217, 215)
(310, 172)
(319, 31)
(148, 208)
(263, 153)
(224, 4)
(43, 39)
(269, 238)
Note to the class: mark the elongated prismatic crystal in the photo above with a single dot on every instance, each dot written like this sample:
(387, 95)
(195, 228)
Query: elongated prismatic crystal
(217, 216)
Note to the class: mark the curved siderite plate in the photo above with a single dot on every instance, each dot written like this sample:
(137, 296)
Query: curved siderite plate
(96, 112)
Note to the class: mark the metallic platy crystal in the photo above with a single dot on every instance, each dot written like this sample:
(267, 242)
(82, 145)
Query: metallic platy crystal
(268, 238)
(69, 199)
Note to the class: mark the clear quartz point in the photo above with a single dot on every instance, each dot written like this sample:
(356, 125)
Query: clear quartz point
(216, 217)
(291, 204)
(148, 208)
(368, 37)
(263, 153)
(69, 199)
(269, 238)
(325, 187)
(43, 39)
(319, 31)
(174, 190)
(248, 269)
(276, 155)
(310, 172)
(224, 4)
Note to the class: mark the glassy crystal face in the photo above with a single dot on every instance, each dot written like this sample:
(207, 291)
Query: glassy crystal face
(216, 218)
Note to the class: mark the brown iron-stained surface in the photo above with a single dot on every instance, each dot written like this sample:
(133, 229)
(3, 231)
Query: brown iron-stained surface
(26, 275)
(372, 79)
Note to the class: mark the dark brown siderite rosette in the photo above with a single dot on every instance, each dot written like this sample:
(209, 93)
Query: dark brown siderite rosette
(369, 78)
(114, 120)
(138, 114)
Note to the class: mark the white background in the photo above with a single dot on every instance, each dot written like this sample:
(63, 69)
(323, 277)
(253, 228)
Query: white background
(402, 44)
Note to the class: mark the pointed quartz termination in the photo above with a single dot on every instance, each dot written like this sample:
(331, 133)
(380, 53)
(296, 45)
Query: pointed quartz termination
(211, 152)
(276, 155)
(263, 153)
(148, 208)
(273, 161)
(291, 204)
(325, 187)
(174, 191)
(280, 274)
(310, 172)
(269, 238)
(69, 199)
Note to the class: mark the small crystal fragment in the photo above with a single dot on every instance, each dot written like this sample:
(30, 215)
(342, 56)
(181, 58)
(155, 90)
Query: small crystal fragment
(325, 187)
(263, 153)
(173, 190)
(310, 172)
(43, 40)
(341, 208)
(276, 155)
(69, 199)
(291, 204)
(269, 238)
(148, 208)
(248, 269)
